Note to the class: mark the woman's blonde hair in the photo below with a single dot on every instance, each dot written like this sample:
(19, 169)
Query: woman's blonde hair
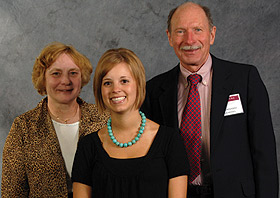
(107, 61)
(49, 55)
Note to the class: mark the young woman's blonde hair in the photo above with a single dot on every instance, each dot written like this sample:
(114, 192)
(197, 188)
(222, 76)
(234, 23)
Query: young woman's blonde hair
(107, 61)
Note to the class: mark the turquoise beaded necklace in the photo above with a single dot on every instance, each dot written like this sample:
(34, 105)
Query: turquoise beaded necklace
(124, 145)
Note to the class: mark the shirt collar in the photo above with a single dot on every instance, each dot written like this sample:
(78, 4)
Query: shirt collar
(204, 71)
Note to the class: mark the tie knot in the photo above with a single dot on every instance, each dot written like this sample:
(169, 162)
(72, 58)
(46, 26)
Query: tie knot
(194, 79)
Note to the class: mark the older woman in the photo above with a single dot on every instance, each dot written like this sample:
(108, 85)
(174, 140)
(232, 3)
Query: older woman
(39, 150)
(132, 156)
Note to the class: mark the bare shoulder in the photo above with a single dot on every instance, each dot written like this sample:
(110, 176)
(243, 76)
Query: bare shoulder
(102, 133)
(152, 127)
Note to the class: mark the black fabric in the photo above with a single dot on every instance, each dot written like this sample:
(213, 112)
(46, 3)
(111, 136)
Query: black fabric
(137, 177)
(204, 191)
(70, 195)
(242, 146)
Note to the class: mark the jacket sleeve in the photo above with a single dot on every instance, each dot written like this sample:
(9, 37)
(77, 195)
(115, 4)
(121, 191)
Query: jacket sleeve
(14, 177)
(262, 139)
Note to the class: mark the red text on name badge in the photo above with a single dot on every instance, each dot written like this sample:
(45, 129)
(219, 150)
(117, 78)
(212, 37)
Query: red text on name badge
(232, 98)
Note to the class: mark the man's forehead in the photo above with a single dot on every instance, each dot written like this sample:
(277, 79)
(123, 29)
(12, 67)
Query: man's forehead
(192, 14)
(190, 17)
(189, 9)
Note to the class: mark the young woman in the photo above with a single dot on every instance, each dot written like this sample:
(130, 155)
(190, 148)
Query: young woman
(132, 156)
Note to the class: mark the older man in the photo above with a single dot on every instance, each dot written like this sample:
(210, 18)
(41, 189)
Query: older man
(222, 109)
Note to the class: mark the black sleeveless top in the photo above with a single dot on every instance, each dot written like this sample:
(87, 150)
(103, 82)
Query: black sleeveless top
(141, 177)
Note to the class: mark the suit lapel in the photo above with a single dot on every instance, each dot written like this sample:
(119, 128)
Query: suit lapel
(222, 84)
(51, 141)
(168, 98)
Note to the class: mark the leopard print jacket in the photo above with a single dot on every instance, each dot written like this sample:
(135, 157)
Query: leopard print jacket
(33, 165)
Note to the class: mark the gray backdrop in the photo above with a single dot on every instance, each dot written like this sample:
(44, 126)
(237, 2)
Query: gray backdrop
(247, 32)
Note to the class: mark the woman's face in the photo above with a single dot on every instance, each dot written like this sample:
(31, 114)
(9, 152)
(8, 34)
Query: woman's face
(119, 89)
(63, 80)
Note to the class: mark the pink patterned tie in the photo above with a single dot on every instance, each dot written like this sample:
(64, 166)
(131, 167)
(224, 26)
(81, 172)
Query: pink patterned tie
(191, 127)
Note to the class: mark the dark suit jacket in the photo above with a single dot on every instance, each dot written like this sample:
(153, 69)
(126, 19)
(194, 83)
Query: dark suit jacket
(243, 154)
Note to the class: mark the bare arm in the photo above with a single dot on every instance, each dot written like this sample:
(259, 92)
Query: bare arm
(178, 187)
(81, 190)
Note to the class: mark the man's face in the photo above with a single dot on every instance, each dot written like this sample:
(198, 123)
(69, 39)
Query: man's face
(190, 36)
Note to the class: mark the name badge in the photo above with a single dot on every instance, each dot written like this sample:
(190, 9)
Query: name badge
(234, 105)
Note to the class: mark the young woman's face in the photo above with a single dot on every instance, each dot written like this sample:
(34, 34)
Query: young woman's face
(119, 89)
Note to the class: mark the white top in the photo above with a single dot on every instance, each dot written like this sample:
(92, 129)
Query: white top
(68, 135)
